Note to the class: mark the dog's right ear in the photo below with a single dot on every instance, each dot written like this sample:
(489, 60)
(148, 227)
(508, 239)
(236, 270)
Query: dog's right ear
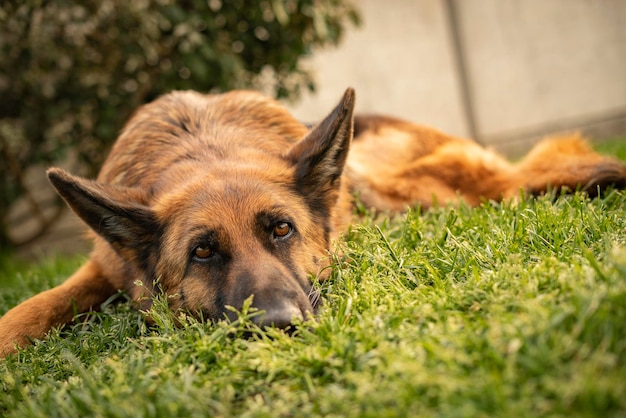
(115, 213)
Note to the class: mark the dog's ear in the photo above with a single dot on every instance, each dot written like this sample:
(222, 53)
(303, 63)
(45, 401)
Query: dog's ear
(320, 157)
(115, 213)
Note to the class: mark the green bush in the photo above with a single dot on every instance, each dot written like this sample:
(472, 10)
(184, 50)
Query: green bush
(71, 74)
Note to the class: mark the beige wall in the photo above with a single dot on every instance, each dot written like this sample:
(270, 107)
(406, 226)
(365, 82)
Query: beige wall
(399, 61)
(532, 67)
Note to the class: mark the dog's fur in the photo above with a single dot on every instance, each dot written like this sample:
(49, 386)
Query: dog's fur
(212, 199)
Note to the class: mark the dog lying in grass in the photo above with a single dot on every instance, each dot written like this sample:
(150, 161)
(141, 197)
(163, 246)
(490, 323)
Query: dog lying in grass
(217, 198)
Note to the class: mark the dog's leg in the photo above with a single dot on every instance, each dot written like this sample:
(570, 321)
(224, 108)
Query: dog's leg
(394, 164)
(456, 170)
(33, 318)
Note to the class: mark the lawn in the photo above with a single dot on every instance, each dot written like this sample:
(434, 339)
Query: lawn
(509, 310)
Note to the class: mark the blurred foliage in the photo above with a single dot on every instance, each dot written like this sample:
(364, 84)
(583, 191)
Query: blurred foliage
(71, 74)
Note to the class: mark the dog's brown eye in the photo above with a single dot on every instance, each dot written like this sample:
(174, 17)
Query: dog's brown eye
(282, 229)
(202, 252)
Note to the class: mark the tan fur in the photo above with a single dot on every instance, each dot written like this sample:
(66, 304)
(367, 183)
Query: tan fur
(36, 316)
(228, 173)
(394, 163)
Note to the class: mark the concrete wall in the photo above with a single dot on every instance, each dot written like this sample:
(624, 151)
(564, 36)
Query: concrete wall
(502, 71)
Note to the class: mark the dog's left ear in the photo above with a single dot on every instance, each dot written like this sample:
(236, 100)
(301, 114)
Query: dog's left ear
(321, 156)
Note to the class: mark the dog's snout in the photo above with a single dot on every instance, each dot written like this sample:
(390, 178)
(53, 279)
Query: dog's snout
(279, 316)
(279, 296)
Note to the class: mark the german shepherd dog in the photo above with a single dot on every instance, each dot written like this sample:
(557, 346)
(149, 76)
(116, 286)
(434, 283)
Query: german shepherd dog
(216, 198)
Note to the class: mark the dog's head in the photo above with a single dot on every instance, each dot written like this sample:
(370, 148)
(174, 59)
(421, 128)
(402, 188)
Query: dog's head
(215, 237)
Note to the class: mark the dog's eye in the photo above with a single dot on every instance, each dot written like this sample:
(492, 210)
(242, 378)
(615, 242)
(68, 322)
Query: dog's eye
(202, 253)
(282, 229)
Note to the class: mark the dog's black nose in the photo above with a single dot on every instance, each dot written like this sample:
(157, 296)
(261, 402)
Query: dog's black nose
(279, 317)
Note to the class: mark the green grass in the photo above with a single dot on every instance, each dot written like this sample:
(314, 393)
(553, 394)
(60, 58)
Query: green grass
(511, 310)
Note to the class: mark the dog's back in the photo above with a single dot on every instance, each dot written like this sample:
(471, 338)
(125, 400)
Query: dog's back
(189, 127)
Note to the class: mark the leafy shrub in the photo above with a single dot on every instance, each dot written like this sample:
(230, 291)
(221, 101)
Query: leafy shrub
(72, 72)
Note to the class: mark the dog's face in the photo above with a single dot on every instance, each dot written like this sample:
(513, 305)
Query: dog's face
(240, 235)
(214, 237)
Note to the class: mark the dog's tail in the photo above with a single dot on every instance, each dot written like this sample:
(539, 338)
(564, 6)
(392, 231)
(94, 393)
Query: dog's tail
(567, 163)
